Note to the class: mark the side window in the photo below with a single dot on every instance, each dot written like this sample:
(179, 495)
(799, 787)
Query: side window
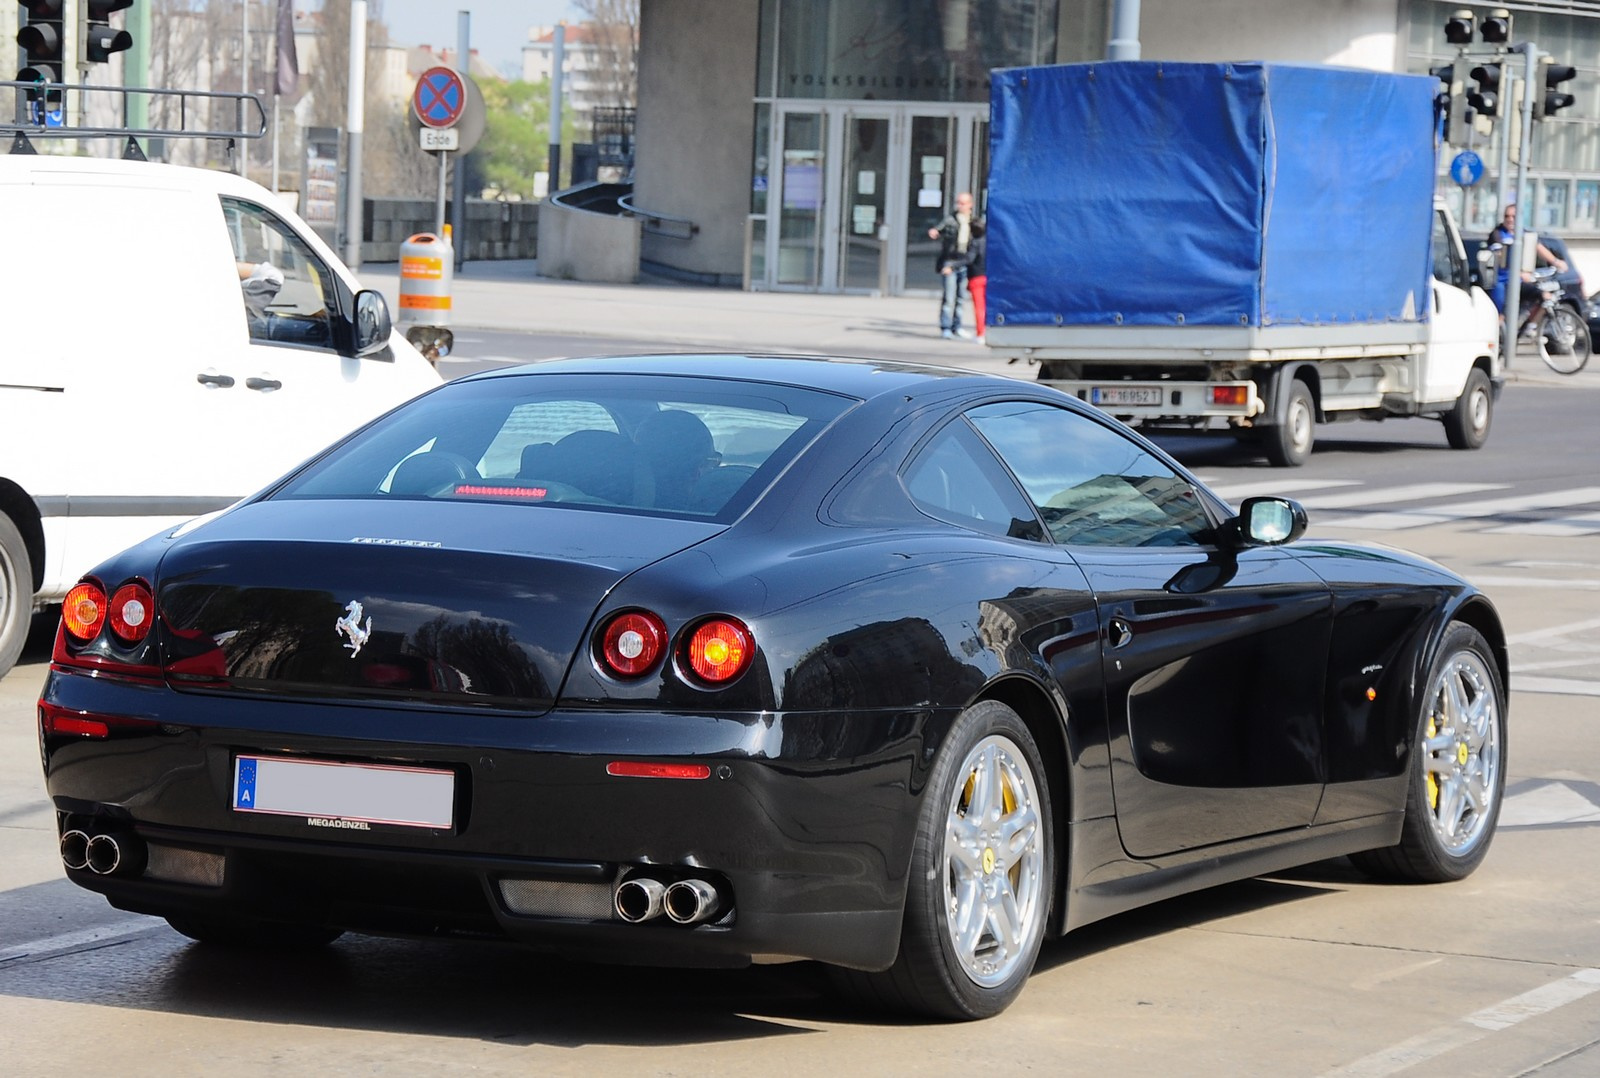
(1092, 484)
(286, 289)
(955, 478)
(1447, 264)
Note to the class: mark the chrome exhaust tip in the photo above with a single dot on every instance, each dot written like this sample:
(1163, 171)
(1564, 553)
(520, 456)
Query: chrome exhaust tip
(688, 902)
(75, 850)
(639, 899)
(104, 855)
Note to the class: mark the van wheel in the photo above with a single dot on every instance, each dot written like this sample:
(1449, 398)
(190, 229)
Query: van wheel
(1466, 426)
(16, 593)
(1288, 444)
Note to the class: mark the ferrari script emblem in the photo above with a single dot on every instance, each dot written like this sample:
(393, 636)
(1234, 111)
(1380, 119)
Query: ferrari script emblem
(350, 626)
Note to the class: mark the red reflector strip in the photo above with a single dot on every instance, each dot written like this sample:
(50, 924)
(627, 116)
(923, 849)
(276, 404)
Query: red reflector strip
(502, 492)
(639, 769)
(55, 719)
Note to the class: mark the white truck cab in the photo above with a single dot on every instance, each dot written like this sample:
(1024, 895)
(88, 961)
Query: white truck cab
(179, 340)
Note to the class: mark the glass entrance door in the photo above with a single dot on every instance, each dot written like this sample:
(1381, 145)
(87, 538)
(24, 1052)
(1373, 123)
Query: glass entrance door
(798, 260)
(855, 190)
(863, 209)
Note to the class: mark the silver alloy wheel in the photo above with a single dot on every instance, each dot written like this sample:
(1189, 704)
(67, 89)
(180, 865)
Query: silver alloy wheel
(994, 862)
(1300, 421)
(1461, 753)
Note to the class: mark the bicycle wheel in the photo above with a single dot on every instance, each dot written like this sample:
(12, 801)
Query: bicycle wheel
(1564, 342)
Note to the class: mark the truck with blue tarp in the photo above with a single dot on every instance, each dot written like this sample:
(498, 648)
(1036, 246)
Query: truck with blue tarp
(1249, 245)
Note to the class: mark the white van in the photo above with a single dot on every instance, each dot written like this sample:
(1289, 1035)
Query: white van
(138, 387)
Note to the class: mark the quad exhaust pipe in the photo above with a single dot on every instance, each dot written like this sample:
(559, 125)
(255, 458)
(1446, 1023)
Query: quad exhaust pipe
(104, 854)
(685, 902)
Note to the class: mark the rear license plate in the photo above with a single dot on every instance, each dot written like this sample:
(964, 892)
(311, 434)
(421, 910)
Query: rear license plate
(364, 793)
(1125, 395)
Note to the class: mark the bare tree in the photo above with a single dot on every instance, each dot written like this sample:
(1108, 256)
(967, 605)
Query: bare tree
(615, 26)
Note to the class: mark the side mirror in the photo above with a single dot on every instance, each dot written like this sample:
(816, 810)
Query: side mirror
(1270, 522)
(1488, 265)
(372, 326)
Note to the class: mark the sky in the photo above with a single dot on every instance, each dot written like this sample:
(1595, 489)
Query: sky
(498, 30)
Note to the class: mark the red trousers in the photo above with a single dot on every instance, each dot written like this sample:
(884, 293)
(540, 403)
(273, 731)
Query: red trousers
(979, 287)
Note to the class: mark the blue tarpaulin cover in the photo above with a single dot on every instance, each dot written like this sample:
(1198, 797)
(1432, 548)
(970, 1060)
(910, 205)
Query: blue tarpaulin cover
(1238, 194)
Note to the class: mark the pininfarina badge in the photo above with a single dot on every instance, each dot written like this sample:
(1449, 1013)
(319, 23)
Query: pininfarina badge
(350, 626)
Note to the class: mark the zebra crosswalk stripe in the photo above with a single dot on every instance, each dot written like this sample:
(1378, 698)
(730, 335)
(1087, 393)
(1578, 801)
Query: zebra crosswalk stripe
(1445, 514)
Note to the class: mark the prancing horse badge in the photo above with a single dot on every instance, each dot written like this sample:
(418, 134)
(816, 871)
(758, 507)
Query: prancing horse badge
(350, 625)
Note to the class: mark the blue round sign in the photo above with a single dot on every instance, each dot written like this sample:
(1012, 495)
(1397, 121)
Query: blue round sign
(1466, 168)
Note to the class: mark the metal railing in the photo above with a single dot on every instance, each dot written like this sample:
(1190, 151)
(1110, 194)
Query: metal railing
(47, 110)
(660, 224)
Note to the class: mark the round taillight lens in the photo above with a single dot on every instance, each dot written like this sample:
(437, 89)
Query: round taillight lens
(83, 611)
(720, 650)
(632, 643)
(132, 612)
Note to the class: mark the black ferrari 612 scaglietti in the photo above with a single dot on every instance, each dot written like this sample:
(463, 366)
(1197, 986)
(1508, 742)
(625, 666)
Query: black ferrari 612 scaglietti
(706, 660)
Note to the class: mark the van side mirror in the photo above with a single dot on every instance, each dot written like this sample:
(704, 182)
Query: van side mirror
(373, 325)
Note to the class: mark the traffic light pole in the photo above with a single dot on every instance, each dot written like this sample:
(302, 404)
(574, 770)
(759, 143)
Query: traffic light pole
(1512, 303)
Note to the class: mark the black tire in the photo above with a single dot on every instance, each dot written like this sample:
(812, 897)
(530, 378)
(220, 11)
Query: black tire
(1288, 444)
(988, 743)
(252, 934)
(16, 594)
(1445, 836)
(1564, 342)
(1466, 426)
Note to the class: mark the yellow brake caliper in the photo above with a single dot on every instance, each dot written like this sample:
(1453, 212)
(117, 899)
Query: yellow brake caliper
(1433, 783)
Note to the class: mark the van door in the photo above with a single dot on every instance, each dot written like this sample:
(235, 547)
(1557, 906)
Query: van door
(1456, 330)
(298, 370)
(135, 424)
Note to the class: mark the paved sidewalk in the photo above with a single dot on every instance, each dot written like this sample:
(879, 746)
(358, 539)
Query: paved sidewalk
(660, 314)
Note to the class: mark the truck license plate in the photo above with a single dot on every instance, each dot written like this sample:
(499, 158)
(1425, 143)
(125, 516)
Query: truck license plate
(1104, 395)
(327, 790)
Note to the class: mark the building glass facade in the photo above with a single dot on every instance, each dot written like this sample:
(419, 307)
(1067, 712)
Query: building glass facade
(870, 116)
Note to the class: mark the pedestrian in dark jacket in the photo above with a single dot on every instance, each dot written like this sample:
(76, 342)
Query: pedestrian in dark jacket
(955, 235)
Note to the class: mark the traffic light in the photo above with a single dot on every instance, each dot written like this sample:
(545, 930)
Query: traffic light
(1548, 98)
(1450, 103)
(1485, 100)
(1496, 28)
(1458, 27)
(100, 39)
(43, 41)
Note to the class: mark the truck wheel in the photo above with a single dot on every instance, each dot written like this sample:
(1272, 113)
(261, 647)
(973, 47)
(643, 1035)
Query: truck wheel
(1467, 424)
(1288, 445)
(16, 594)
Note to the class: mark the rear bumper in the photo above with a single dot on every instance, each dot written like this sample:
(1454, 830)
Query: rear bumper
(804, 824)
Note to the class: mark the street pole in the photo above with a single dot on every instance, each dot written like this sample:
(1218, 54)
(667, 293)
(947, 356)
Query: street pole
(1513, 297)
(244, 81)
(558, 49)
(355, 123)
(459, 205)
(136, 68)
(1124, 44)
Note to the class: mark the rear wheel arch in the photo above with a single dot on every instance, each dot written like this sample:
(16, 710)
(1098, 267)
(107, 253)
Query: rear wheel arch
(1045, 719)
(16, 504)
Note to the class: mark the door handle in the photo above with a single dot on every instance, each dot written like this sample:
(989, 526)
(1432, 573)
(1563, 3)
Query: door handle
(266, 385)
(1119, 633)
(208, 378)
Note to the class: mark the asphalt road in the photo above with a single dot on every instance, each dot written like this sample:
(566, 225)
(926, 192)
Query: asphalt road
(1310, 973)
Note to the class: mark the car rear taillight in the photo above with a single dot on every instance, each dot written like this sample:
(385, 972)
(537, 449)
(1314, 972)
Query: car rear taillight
(632, 643)
(83, 611)
(1230, 395)
(719, 650)
(132, 612)
(58, 721)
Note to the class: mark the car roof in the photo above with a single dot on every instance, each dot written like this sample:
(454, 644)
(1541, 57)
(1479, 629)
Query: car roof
(852, 377)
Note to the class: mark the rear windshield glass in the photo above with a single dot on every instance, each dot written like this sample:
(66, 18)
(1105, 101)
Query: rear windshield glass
(673, 445)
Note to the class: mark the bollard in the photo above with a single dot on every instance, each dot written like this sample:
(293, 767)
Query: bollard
(426, 271)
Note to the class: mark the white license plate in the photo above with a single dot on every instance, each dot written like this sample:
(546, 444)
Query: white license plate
(1125, 395)
(358, 793)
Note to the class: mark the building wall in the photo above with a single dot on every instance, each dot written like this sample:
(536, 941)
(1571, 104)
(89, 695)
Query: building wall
(695, 123)
(1351, 33)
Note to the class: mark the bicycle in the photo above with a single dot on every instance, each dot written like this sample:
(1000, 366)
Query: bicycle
(1559, 332)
